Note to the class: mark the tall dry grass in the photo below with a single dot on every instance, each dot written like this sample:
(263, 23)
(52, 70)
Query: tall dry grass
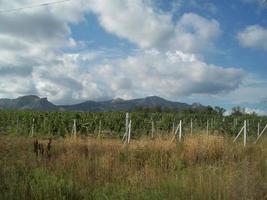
(200, 167)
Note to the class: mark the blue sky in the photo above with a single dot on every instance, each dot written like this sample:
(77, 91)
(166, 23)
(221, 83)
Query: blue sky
(212, 52)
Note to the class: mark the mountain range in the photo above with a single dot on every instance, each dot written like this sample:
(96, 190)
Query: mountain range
(36, 103)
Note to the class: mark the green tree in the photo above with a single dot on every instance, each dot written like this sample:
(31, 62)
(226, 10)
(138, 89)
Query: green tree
(220, 111)
(237, 111)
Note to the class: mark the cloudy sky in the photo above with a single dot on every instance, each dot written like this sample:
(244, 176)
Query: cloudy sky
(212, 52)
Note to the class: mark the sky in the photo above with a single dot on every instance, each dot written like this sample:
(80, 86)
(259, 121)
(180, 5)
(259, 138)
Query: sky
(211, 52)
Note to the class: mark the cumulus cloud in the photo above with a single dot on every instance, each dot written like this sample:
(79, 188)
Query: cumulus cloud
(171, 75)
(32, 60)
(250, 94)
(257, 111)
(148, 27)
(30, 39)
(250, 91)
(254, 36)
(194, 33)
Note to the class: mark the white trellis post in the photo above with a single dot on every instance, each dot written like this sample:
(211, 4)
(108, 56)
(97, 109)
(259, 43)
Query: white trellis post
(234, 122)
(17, 125)
(126, 126)
(261, 134)
(152, 128)
(32, 128)
(44, 123)
(207, 126)
(258, 132)
(129, 133)
(244, 130)
(173, 128)
(191, 126)
(245, 133)
(179, 128)
(248, 125)
(74, 129)
(99, 129)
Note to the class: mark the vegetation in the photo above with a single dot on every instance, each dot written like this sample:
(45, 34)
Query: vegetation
(52, 165)
(201, 167)
(113, 123)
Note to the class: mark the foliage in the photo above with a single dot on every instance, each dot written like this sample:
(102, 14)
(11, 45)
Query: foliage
(113, 123)
(200, 167)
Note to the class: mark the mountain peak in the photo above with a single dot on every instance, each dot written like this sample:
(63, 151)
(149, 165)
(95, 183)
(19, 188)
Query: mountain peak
(32, 102)
(117, 100)
(196, 105)
(28, 97)
(154, 97)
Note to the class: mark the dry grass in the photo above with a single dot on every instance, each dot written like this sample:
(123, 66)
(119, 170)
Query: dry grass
(203, 148)
(200, 167)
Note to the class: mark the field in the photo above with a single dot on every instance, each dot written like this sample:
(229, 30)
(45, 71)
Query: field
(96, 164)
(200, 167)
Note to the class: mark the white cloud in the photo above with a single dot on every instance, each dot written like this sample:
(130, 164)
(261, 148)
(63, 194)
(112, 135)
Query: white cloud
(133, 20)
(250, 91)
(171, 75)
(174, 74)
(148, 27)
(254, 36)
(194, 33)
(257, 111)
(249, 94)
(31, 59)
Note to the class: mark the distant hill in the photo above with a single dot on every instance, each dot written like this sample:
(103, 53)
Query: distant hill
(122, 105)
(27, 103)
(37, 103)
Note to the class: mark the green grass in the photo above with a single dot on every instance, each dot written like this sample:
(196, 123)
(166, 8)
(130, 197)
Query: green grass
(201, 167)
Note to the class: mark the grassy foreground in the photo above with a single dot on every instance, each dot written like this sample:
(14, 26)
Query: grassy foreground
(201, 167)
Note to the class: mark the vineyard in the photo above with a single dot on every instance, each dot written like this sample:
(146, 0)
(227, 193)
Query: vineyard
(112, 124)
(40, 158)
